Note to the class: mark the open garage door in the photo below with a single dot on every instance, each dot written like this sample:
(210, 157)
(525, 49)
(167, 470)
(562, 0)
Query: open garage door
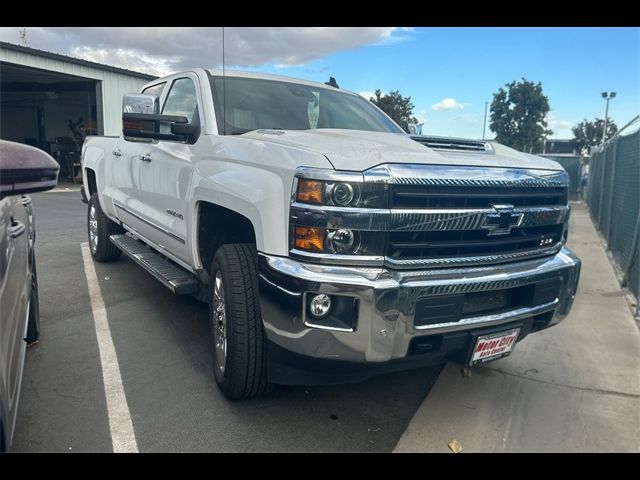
(49, 110)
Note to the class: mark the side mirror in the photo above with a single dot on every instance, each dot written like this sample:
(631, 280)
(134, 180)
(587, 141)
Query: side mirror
(139, 103)
(140, 121)
(158, 127)
(412, 128)
(25, 169)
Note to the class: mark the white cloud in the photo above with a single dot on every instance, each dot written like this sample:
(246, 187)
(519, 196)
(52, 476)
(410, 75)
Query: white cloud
(162, 50)
(130, 58)
(448, 104)
(561, 128)
(395, 35)
(557, 124)
(368, 94)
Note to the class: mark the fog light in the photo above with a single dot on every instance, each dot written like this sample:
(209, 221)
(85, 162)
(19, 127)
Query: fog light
(320, 305)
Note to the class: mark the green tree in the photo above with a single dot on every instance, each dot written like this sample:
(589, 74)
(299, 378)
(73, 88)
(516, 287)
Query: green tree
(587, 135)
(518, 116)
(399, 108)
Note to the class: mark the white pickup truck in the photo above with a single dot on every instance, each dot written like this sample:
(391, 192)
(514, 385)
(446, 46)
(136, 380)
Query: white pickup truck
(330, 245)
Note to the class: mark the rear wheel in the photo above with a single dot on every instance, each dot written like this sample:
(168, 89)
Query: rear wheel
(237, 335)
(99, 229)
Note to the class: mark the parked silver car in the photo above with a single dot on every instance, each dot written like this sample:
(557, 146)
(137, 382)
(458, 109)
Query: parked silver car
(23, 170)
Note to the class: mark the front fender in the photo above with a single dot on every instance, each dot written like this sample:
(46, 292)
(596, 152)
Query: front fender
(253, 178)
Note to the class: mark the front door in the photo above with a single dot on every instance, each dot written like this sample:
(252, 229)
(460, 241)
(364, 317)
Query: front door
(165, 175)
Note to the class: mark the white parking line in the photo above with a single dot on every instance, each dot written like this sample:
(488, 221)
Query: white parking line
(122, 435)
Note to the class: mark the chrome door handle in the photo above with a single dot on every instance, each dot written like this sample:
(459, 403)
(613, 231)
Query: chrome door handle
(117, 152)
(16, 229)
(145, 158)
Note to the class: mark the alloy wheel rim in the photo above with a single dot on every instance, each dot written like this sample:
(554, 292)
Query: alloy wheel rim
(219, 323)
(93, 229)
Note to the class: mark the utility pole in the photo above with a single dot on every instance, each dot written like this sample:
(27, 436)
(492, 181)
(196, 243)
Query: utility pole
(607, 96)
(484, 124)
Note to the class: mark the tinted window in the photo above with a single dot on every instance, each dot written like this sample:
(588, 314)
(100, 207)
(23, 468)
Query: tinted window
(253, 103)
(182, 99)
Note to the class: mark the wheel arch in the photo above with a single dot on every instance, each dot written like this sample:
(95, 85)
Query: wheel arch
(216, 226)
(90, 176)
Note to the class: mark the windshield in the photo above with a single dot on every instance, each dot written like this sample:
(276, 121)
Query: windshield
(253, 103)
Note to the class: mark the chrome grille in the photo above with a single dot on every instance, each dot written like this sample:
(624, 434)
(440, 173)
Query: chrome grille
(451, 216)
(457, 243)
(417, 196)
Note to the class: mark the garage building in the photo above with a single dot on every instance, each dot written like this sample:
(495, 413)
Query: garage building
(53, 101)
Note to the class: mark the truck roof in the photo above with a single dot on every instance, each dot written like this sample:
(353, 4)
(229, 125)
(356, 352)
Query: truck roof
(268, 76)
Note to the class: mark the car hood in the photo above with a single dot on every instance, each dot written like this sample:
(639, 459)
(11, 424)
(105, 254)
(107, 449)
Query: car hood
(361, 150)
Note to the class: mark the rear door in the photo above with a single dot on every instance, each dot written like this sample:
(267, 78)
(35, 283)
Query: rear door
(165, 175)
(122, 173)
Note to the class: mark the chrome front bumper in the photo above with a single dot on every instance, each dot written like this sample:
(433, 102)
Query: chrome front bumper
(386, 301)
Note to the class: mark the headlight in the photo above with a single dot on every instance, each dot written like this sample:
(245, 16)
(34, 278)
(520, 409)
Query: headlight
(343, 194)
(343, 241)
(336, 215)
(309, 239)
(310, 191)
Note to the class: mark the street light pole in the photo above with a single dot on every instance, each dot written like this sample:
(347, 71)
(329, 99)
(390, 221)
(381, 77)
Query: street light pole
(484, 125)
(607, 96)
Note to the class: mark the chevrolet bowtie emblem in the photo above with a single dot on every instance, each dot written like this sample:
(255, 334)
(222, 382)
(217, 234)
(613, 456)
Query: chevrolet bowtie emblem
(501, 222)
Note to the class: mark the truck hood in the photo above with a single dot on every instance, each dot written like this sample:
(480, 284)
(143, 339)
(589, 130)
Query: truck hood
(361, 150)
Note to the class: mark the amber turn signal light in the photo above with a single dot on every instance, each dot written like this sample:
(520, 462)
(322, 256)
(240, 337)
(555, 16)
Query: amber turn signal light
(309, 191)
(309, 239)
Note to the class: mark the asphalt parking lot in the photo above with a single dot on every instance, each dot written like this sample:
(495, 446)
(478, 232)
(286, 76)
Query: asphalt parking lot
(571, 388)
(163, 354)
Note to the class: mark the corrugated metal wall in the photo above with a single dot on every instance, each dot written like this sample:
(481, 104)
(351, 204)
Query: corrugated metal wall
(112, 85)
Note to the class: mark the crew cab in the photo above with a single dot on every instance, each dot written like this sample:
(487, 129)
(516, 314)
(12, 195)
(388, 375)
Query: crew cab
(330, 244)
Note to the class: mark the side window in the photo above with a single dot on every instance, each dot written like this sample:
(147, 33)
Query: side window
(156, 91)
(182, 99)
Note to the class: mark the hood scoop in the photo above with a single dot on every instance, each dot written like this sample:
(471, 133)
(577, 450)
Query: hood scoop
(453, 144)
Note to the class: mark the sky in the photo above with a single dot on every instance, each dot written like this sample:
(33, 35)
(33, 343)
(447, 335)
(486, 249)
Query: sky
(449, 73)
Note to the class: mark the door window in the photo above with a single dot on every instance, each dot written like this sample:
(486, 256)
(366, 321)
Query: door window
(182, 99)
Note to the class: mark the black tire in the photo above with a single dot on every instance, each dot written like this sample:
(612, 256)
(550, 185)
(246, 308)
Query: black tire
(103, 250)
(244, 373)
(33, 323)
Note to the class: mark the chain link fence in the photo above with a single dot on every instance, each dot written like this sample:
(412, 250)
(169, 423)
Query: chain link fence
(572, 164)
(613, 197)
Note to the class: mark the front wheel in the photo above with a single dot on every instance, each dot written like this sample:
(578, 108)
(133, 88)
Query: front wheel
(237, 334)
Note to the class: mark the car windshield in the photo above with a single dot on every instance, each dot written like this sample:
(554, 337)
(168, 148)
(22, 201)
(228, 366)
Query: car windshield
(253, 103)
